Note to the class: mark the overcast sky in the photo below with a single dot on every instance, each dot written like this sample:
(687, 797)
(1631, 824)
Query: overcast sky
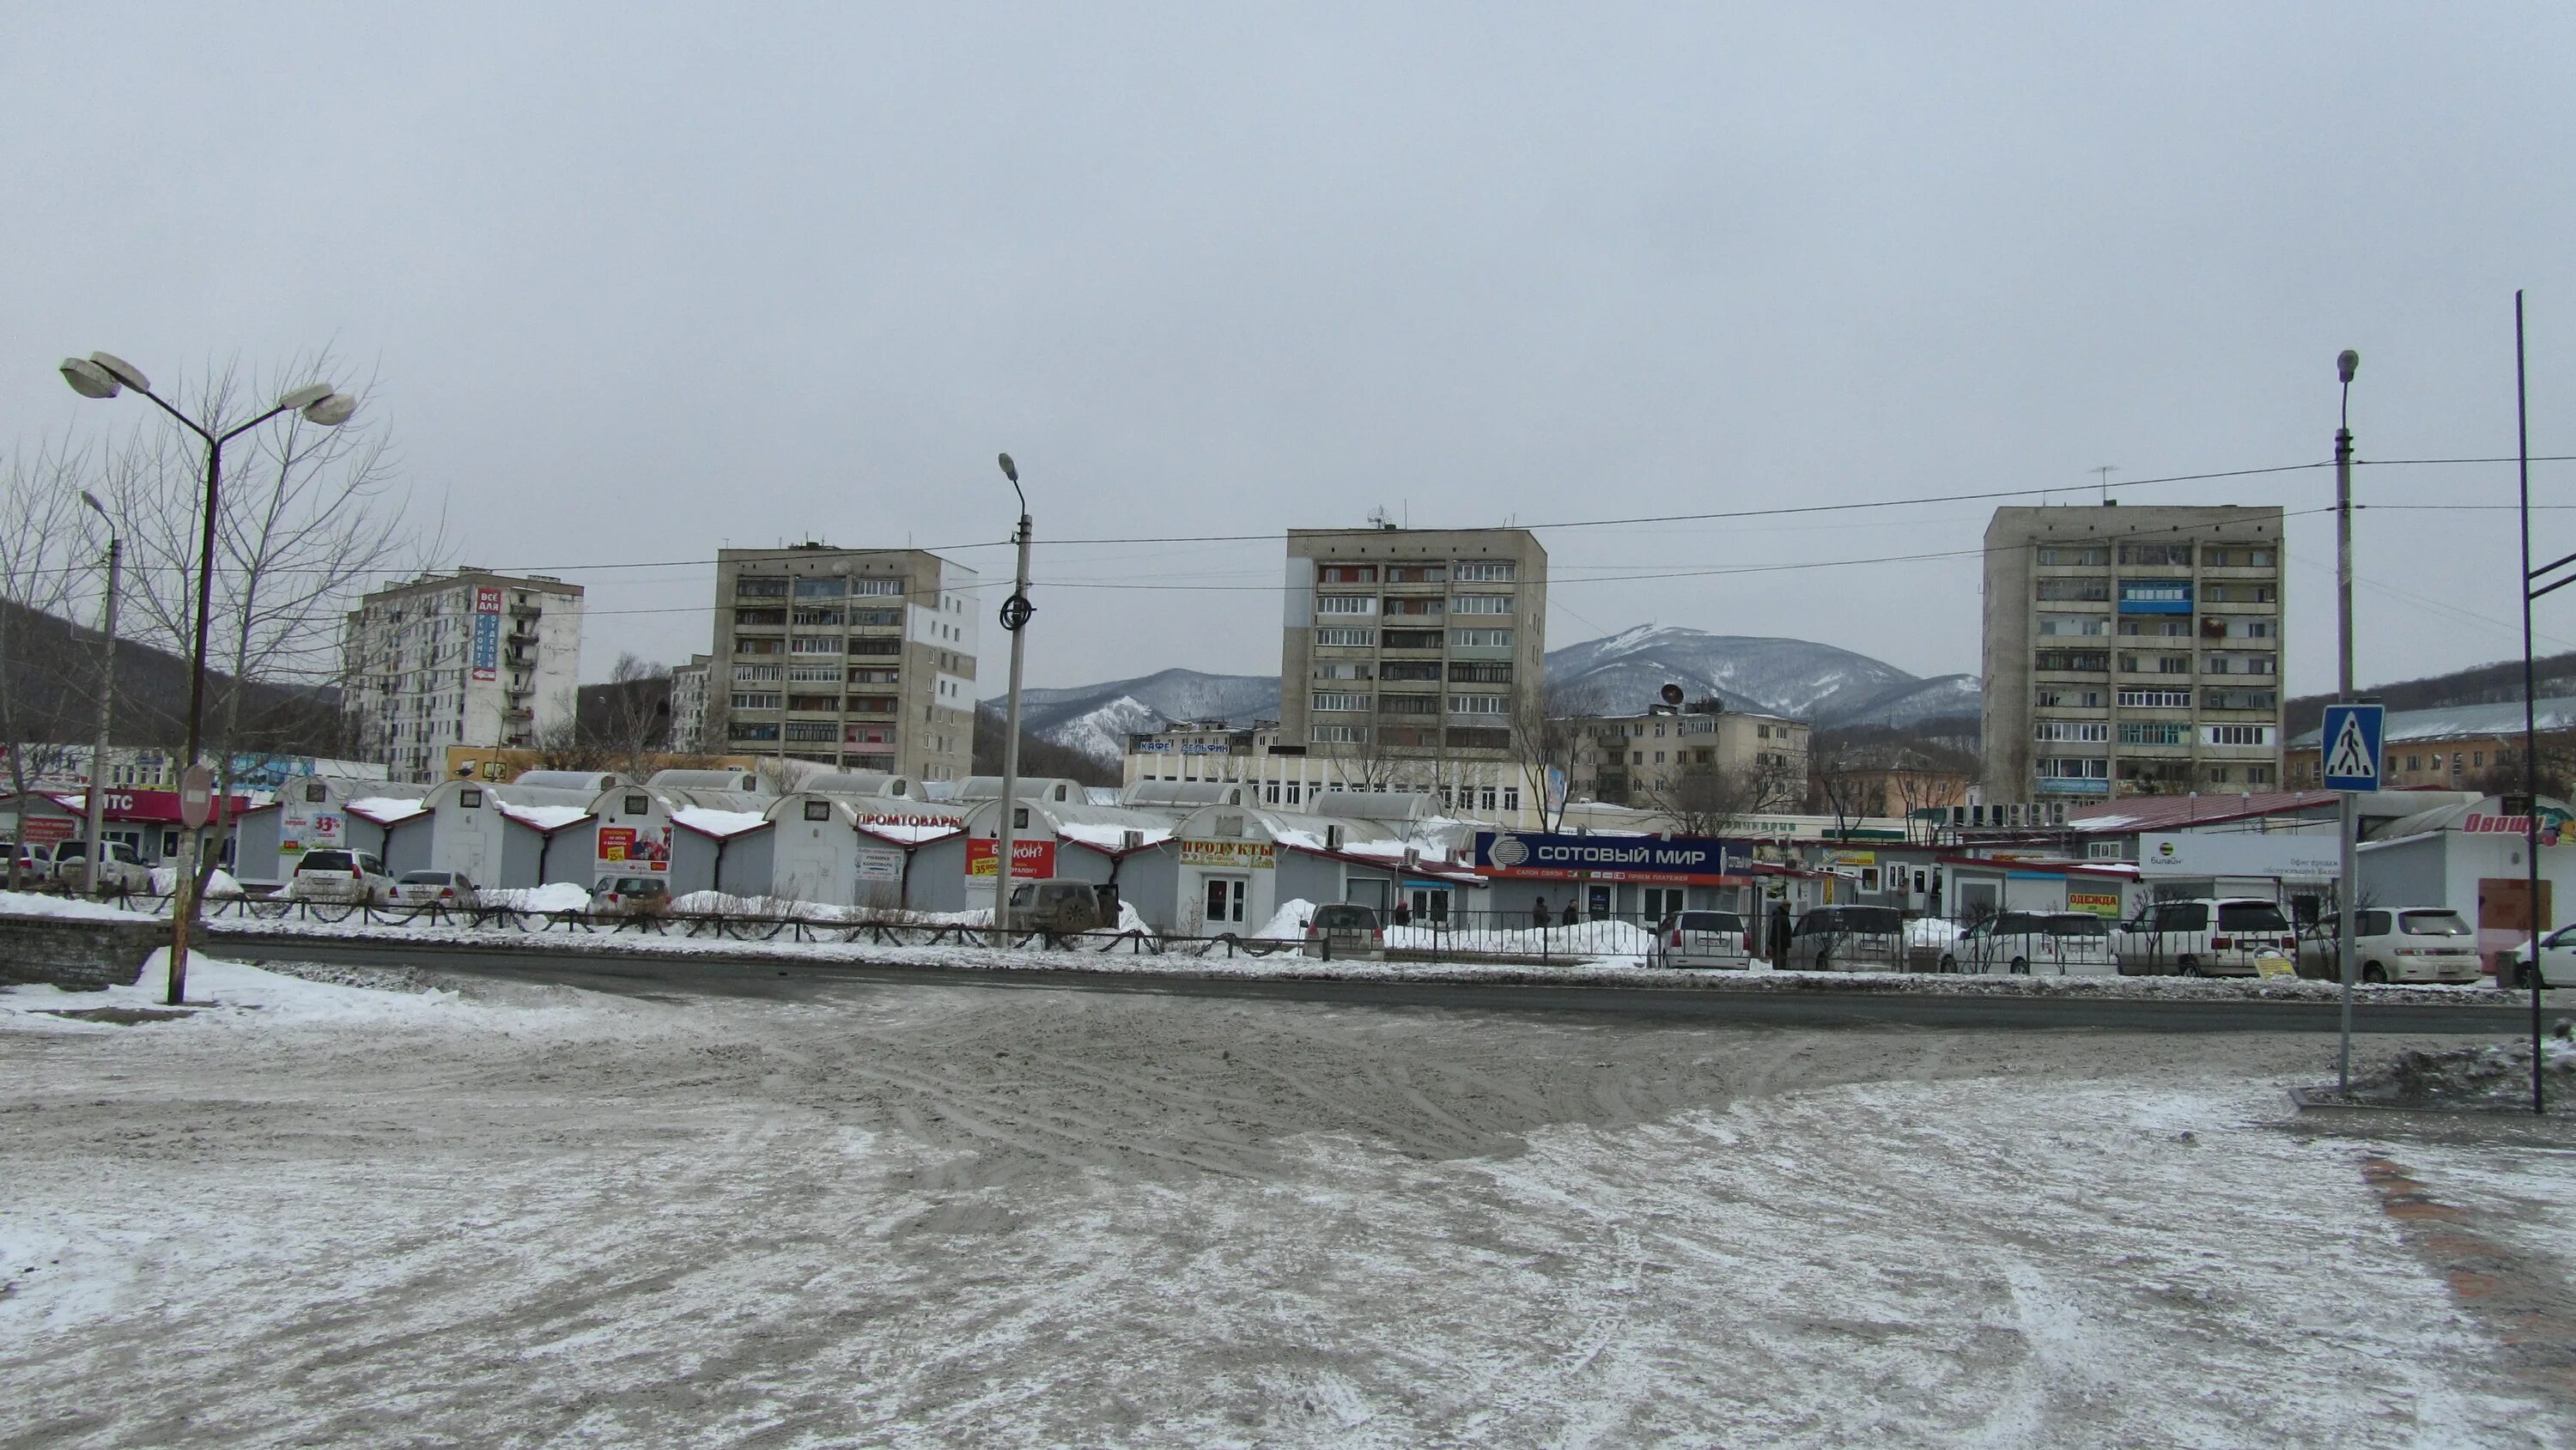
(636, 285)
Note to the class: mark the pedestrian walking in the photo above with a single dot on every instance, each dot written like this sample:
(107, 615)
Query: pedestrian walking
(1538, 914)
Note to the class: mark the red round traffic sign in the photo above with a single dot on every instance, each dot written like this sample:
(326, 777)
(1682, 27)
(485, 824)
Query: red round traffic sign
(196, 796)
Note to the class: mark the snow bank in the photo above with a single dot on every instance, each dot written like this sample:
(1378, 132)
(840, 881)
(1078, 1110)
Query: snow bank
(545, 818)
(28, 903)
(1288, 923)
(719, 823)
(165, 879)
(2495, 1077)
(561, 896)
(234, 991)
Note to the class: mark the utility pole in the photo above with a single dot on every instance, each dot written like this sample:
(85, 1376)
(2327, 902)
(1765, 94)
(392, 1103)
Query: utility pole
(106, 698)
(1016, 611)
(2348, 881)
(2105, 472)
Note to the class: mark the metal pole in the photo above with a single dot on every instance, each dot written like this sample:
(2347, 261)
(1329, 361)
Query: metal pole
(106, 700)
(1016, 621)
(2530, 756)
(183, 897)
(2349, 825)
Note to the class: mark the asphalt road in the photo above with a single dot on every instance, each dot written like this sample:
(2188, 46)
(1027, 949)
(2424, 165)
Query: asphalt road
(642, 974)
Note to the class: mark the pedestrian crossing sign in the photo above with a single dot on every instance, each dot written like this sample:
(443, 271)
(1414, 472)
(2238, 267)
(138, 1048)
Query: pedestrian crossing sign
(2349, 743)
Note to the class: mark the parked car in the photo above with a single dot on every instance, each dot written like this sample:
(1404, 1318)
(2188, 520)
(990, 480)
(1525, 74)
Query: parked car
(1059, 904)
(2209, 936)
(1344, 930)
(1928, 944)
(2051, 943)
(630, 894)
(2557, 961)
(356, 877)
(35, 863)
(446, 888)
(2397, 944)
(119, 870)
(1701, 939)
(1849, 939)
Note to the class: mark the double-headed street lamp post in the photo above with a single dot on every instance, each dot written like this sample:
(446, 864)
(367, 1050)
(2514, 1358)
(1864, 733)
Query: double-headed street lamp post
(2348, 827)
(106, 697)
(1016, 611)
(101, 375)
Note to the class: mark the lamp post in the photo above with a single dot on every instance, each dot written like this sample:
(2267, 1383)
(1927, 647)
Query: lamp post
(2532, 589)
(2347, 884)
(106, 696)
(1016, 611)
(102, 375)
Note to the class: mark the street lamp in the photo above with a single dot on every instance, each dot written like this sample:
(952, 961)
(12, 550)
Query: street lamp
(106, 695)
(2532, 589)
(2348, 828)
(1016, 612)
(104, 375)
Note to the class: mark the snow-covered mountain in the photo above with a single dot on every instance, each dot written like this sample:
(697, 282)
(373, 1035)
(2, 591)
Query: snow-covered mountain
(1624, 671)
(1794, 677)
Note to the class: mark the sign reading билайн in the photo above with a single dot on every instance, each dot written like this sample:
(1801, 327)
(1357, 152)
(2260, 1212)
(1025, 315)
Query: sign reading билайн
(1530, 855)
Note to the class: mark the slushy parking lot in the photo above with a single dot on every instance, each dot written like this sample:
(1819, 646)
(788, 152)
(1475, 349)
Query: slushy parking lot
(938, 1214)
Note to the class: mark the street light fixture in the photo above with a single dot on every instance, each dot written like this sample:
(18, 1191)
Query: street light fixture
(2348, 827)
(106, 696)
(1016, 612)
(104, 375)
(2532, 589)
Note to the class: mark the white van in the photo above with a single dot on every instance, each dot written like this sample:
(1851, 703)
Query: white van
(2398, 944)
(2209, 936)
(2053, 943)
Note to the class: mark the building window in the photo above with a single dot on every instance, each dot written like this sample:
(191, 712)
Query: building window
(1334, 735)
(1416, 573)
(749, 588)
(2082, 731)
(2157, 555)
(2155, 699)
(2061, 659)
(2236, 734)
(2078, 555)
(1346, 638)
(1479, 704)
(876, 586)
(755, 701)
(1481, 604)
(1337, 700)
(1480, 672)
(1484, 571)
(1347, 573)
(2140, 732)
(821, 588)
(1481, 638)
(1346, 604)
(2051, 625)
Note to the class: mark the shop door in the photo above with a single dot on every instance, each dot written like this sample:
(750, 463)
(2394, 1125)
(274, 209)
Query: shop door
(1225, 897)
(1598, 903)
(1662, 901)
(1430, 904)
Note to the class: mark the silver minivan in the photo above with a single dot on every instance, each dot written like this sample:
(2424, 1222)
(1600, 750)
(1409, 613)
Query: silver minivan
(2208, 936)
(2398, 944)
(1701, 939)
(1849, 939)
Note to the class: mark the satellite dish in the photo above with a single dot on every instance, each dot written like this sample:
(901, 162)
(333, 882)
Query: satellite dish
(1672, 694)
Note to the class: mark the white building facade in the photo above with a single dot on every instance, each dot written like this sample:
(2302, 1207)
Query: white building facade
(470, 658)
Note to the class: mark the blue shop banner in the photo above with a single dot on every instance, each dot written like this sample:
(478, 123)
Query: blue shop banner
(1555, 857)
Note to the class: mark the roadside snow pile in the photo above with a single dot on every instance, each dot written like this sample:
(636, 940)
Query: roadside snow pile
(1288, 923)
(1608, 941)
(221, 991)
(773, 908)
(165, 879)
(561, 896)
(28, 903)
(1930, 931)
(2496, 1077)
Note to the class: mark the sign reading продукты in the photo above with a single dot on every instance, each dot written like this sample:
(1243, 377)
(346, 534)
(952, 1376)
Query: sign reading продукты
(2349, 743)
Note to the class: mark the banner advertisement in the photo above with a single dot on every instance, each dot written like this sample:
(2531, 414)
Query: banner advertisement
(1030, 860)
(2104, 904)
(45, 830)
(303, 825)
(1681, 860)
(1230, 855)
(628, 848)
(879, 864)
(2278, 855)
(487, 633)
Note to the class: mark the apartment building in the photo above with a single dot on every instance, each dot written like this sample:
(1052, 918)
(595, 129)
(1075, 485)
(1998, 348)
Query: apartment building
(1696, 753)
(1407, 655)
(860, 658)
(689, 686)
(469, 658)
(1214, 751)
(2132, 651)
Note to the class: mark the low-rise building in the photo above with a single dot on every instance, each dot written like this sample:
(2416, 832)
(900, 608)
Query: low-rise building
(1288, 777)
(1701, 758)
(2457, 747)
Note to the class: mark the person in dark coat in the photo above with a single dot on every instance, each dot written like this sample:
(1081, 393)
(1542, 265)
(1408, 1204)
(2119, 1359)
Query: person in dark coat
(1571, 915)
(1538, 913)
(1780, 935)
(1404, 913)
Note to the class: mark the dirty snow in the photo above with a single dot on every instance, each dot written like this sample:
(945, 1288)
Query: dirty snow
(556, 897)
(948, 1216)
(29, 903)
(227, 991)
(165, 879)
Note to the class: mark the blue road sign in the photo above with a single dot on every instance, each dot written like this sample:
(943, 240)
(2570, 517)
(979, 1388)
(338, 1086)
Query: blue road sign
(2349, 746)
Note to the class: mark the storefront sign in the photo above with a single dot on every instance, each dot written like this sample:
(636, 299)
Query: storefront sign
(2096, 903)
(1030, 860)
(629, 848)
(2277, 855)
(45, 830)
(2553, 825)
(1682, 860)
(1230, 855)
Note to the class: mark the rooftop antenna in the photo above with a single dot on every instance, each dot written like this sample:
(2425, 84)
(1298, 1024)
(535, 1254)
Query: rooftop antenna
(2105, 472)
(1379, 518)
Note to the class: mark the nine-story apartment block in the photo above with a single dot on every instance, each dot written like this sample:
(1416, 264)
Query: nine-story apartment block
(469, 658)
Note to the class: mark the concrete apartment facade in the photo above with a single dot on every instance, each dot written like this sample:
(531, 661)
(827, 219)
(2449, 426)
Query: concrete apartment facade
(469, 658)
(1644, 759)
(863, 659)
(1212, 751)
(2132, 651)
(689, 686)
(1407, 655)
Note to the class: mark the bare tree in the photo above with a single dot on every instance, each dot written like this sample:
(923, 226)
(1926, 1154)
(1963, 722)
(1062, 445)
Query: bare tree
(2555, 756)
(1838, 780)
(1546, 733)
(1712, 800)
(306, 518)
(45, 565)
